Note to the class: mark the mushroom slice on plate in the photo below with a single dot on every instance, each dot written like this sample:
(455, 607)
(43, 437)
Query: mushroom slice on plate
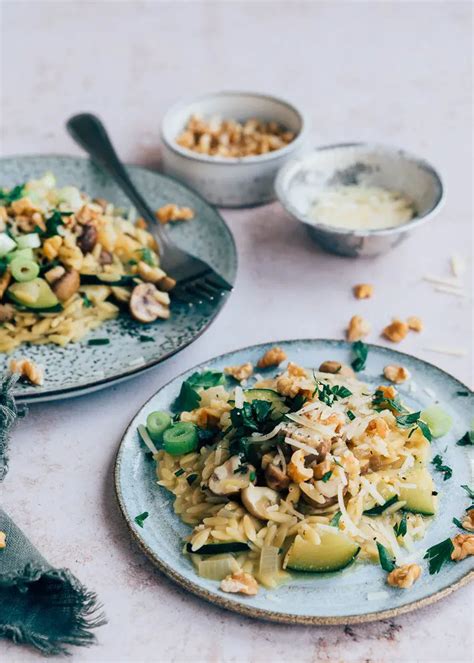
(147, 303)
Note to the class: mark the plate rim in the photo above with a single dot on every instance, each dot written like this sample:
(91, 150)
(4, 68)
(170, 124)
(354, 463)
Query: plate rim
(242, 608)
(103, 383)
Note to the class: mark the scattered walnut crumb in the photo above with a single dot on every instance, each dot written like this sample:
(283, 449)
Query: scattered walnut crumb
(272, 357)
(358, 328)
(3, 540)
(240, 583)
(229, 138)
(242, 372)
(336, 367)
(173, 212)
(378, 426)
(363, 291)
(414, 323)
(388, 391)
(395, 331)
(396, 374)
(28, 370)
(296, 371)
(141, 223)
(463, 546)
(404, 576)
(468, 520)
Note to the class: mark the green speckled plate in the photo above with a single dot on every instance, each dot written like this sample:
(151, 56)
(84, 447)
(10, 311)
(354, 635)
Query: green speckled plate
(358, 593)
(80, 368)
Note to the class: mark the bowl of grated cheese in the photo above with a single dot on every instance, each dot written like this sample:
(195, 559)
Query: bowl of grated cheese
(359, 199)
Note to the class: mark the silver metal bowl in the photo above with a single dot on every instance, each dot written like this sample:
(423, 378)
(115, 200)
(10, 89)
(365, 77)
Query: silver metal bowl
(365, 164)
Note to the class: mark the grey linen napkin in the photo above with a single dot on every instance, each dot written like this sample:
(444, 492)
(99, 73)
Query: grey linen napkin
(40, 606)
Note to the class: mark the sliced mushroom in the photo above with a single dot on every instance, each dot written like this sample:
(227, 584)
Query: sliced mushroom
(231, 477)
(105, 258)
(276, 478)
(147, 303)
(336, 367)
(7, 312)
(257, 499)
(88, 238)
(67, 285)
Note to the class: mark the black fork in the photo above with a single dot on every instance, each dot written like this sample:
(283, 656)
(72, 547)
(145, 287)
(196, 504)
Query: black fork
(196, 281)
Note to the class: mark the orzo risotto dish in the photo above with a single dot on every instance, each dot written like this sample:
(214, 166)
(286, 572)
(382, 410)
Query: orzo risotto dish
(305, 471)
(68, 263)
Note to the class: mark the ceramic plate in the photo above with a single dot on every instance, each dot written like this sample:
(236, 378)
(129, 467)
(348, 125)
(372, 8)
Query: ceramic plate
(80, 368)
(309, 598)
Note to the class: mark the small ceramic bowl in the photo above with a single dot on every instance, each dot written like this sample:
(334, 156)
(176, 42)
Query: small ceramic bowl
(230, 182)
(358, 164)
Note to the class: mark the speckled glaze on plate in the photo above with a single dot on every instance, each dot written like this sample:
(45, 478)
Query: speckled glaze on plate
(80, 368)
(339, 598)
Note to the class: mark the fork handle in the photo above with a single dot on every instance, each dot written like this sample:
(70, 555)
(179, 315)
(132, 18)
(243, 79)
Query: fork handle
(89, 132)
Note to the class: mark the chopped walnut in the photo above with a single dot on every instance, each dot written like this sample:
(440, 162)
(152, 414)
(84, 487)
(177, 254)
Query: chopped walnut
(28, 370)
(363, 291)
(173, 212)
(395, 331)
(296, 371)
(51, 247)
(287, 386)
(463, 546)
(396, 374)
(414, 323)
(404, 576)
(272, 357)
(468, 520)
(378, 427)
(240, 583)
(3, 540)
(358, 328)
(242, 372)
(388, 391)
(336, 367)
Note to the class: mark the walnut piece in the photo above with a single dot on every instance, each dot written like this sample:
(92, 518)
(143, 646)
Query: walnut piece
(378, 427)
(363, 291)
(240, 583)
(414, 323)
(468, 520)
(463, 546)
(396, 374)
(395, 331)
(404, 576)
(387, 390)
(336, 367)
(358, 328)
(3, 541)
(242, 372)
(272, 357)
(28, 370)
(296, 371)
(173, 212)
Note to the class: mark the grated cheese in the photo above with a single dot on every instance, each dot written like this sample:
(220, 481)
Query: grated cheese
(263, 438)
(454, 283)
(450, 291)
(458, 266)
(453, 352)
(299, 445)
(345, 516)
(372, 490)
(239, 397)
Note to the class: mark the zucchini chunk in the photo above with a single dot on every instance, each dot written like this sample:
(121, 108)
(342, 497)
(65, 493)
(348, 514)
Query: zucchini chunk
(335, 552)
(279, 407)
(35, 295)
(419, 499)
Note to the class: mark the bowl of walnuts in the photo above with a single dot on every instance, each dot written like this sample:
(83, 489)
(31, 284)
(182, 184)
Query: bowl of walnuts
(229, 146)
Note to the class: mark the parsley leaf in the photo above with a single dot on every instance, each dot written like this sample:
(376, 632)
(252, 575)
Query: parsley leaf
(86, 301)
(469, 491)
(462, 393)
(336, 518)
(400, 528)
(7, 197)
(360, 351)
(148, 256)
(438, 555)
(53, 223)
(467, 439)
(406, 420)
(425, 429)
(98, 341)
(439, 467)
(380, 508)
(459, 524)
(381, 402)
(325, 478)
(191, 478)
(140, 519)
(328, 394)
(296, 403)
(351, 415)
(386, 562)
(188, 398)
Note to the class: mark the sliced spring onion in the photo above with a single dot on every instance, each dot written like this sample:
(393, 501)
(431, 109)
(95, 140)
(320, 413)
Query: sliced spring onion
(24, 270)
(156, 424)
(7, 244)
(180, 438)
(30, 241)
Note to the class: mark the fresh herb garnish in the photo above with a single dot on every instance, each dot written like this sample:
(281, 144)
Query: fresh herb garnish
(406, 420)
(296, 403)
(189, 398)
(336, 518)
(140, 519)
(53, 222)
(360, 351)
(425, 429)
(386, 562)
(351, 415)
(98, 341)
(205, 435)
(438, 555)
(400, 528)
(325, 478)
(468, 490)
(328, 394)
(179, 472)
(440, 467)
(191, 478)
(254, 417)
(7, 197)
(459, 524)
(252, 476)
(467, 439)
(145, 339)
(462, 393)
(86, 301)
(148, 256)
(380, 508)
(381, 402)
(242, 469)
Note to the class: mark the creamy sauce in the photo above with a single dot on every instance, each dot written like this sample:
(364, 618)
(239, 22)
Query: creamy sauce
(361, 208)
